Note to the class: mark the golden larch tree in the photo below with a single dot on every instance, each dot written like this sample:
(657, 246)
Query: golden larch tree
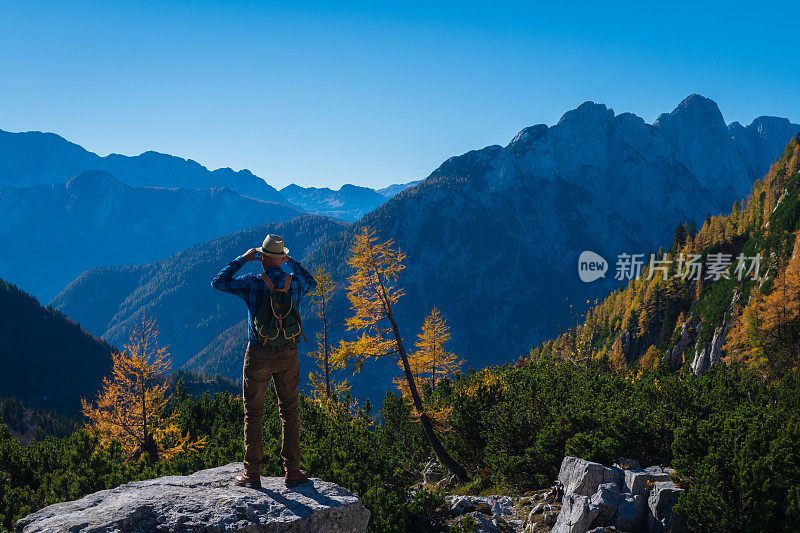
(431, 362)
(765, 334)
(322, 386)
(431, 357)
(649, 360)
(373, 292)
(781, 309)
(131, 406)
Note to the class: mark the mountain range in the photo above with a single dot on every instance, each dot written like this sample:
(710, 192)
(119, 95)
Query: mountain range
(177, 291)
(52, 233)
(350, 202)
(396, 188)
(36, 158)
(493, 235)
(118, 210)
(744, 316)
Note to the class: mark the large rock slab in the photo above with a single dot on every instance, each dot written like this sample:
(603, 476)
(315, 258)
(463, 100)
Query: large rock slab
(603, 504)
(579, 476)
(629, 516)
(575, 516)
(639, 481)
(206, 501)
(661, 517)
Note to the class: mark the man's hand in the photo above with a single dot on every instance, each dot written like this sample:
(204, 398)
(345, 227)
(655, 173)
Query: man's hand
(250, 255)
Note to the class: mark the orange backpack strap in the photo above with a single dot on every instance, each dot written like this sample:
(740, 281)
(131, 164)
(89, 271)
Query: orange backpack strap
(268, 282)
(286, 283)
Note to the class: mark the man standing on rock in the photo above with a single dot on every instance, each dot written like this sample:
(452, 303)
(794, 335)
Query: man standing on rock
(273, 328)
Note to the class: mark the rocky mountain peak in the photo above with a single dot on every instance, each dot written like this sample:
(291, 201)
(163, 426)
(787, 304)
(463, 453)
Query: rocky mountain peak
(528, 136)
(587, 115)
(694, 112)
(700, 140)
(772, 131)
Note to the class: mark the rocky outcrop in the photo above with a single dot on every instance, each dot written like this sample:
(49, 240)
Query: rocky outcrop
(713, 353)
(674, 357)
(579, 476)
(575, 515)
(491, 514)
(206, 501)
(638, 480)
(432, 472)
(663, 496)
(603, 503)
(597, 497)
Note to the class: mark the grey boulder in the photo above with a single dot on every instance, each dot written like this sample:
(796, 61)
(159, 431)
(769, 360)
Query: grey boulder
(483, 524)
(205, 501)
(575, 515)
(640, 480)
(603, 504)
(629, 517)
(579, 476)
(661, 517)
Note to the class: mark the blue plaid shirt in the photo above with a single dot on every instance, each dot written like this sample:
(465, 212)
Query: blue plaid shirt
(252, 289)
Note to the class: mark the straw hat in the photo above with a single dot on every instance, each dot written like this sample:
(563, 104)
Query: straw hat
(273, 247)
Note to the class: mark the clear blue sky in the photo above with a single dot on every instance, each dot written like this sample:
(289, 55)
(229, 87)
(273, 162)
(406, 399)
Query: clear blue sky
(374, 92)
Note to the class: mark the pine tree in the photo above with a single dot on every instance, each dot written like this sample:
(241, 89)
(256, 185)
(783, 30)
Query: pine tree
(679, 238)
(372, 293)
(691, 229)
(132, 405)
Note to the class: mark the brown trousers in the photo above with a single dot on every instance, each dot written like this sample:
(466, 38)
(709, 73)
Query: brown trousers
(282, 365)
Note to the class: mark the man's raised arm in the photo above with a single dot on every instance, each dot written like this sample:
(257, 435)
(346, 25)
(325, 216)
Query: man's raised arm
(305, 281)
(226, 282)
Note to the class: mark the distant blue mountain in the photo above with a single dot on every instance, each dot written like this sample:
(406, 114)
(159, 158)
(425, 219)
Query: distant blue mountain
(49, 234)
(177, 293)
(396, 188)
(493, 235)
(350, 202)
(35, 158)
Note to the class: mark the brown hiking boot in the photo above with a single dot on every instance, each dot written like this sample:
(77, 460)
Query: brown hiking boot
(248, 480)
(295, 478)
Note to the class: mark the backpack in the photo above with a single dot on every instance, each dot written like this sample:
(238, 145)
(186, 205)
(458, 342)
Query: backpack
(277, 320)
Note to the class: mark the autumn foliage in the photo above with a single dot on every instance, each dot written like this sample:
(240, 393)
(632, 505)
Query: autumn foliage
(324, 388)
(373, 291)
(430, 363)
(765, 334)
(132, 406)
(754, 301)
